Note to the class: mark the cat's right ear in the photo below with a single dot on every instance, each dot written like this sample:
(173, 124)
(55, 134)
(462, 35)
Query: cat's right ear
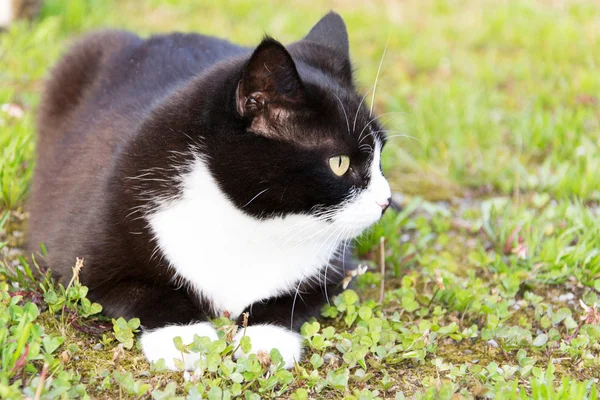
(270, 85)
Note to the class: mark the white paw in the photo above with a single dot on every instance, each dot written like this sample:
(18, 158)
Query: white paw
(268, 337)
(158, 343)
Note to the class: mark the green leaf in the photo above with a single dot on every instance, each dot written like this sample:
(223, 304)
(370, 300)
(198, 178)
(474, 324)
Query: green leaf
(300, 394)
(338, 379)
(159, 365)
(217, 346)
(316, 360)
(236, 377)
(31, 311)
(170, 392)
(329, 311)
(215, 393)
(276, 357)
(133, 323)
(248, 395)
(317, 342)
(95, 308)
(493, 321)
(245, 344)
(179, 345)
(560, 315)
(236, 389)
(52, 343)
(284, 376)
(365, 313)
(414, 354)
(73, 293)
(545, 322)
(123, 333)
(350, 318)
(212, 362)
(570, 323)
(328, 332)
(350, 297)
(540, 340)
(50, 297)
(83, 291)
(310, 328)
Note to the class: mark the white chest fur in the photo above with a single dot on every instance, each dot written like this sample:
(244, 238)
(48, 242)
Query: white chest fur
(231, 258)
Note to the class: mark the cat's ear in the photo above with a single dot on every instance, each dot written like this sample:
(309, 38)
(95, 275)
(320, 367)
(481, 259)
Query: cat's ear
(270, 84)
(330, 31)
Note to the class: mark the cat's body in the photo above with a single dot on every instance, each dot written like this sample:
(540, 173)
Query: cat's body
(192, 176)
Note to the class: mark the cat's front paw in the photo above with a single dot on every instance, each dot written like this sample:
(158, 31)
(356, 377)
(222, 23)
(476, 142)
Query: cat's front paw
(158, 343)
(267, 337)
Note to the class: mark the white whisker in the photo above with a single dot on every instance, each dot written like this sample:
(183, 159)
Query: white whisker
(344, 110)
(252, 199)
(374, 119)
(404, 136)
(365, 146)
(377, 76)
(294, 304)
(358, 110)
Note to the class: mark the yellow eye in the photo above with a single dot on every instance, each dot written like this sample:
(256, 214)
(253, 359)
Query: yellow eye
(339, 164)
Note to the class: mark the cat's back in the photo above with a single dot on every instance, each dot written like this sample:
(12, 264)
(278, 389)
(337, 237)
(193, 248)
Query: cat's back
(95, 99)
(106, 85)
(116, 72)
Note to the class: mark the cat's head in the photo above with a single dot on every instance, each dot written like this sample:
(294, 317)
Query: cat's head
(284, 132)
(306, 141)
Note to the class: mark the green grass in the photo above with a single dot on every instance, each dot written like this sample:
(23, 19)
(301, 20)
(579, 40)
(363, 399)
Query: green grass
(492, 269)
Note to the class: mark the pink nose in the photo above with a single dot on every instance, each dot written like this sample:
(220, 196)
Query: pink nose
(384, 206)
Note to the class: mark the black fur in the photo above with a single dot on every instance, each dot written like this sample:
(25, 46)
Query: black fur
(117, 105)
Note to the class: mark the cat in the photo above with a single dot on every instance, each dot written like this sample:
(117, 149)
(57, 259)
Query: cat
(198, 178)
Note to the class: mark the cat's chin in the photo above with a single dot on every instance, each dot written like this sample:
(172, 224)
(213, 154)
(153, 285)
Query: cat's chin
(349, 224)
(357, 219)
(355, 231)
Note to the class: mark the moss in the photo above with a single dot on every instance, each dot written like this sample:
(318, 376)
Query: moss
(424, 183)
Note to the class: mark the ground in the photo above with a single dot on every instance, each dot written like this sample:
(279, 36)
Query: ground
(492, 267)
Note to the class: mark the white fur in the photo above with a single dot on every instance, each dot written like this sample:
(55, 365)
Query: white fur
(235, 260)
(159, 344)
(268, 337)
(5, 12)
(231, 258)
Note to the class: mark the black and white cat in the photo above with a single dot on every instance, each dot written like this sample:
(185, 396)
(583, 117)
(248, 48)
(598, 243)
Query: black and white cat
(197, 177)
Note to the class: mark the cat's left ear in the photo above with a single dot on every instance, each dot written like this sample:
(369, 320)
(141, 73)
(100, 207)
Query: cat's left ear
(269, 86)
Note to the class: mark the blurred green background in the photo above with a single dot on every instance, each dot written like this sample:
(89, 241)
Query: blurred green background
(494, 111)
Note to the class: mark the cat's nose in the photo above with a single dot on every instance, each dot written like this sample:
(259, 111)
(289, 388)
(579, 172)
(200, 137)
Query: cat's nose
(384, 206)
